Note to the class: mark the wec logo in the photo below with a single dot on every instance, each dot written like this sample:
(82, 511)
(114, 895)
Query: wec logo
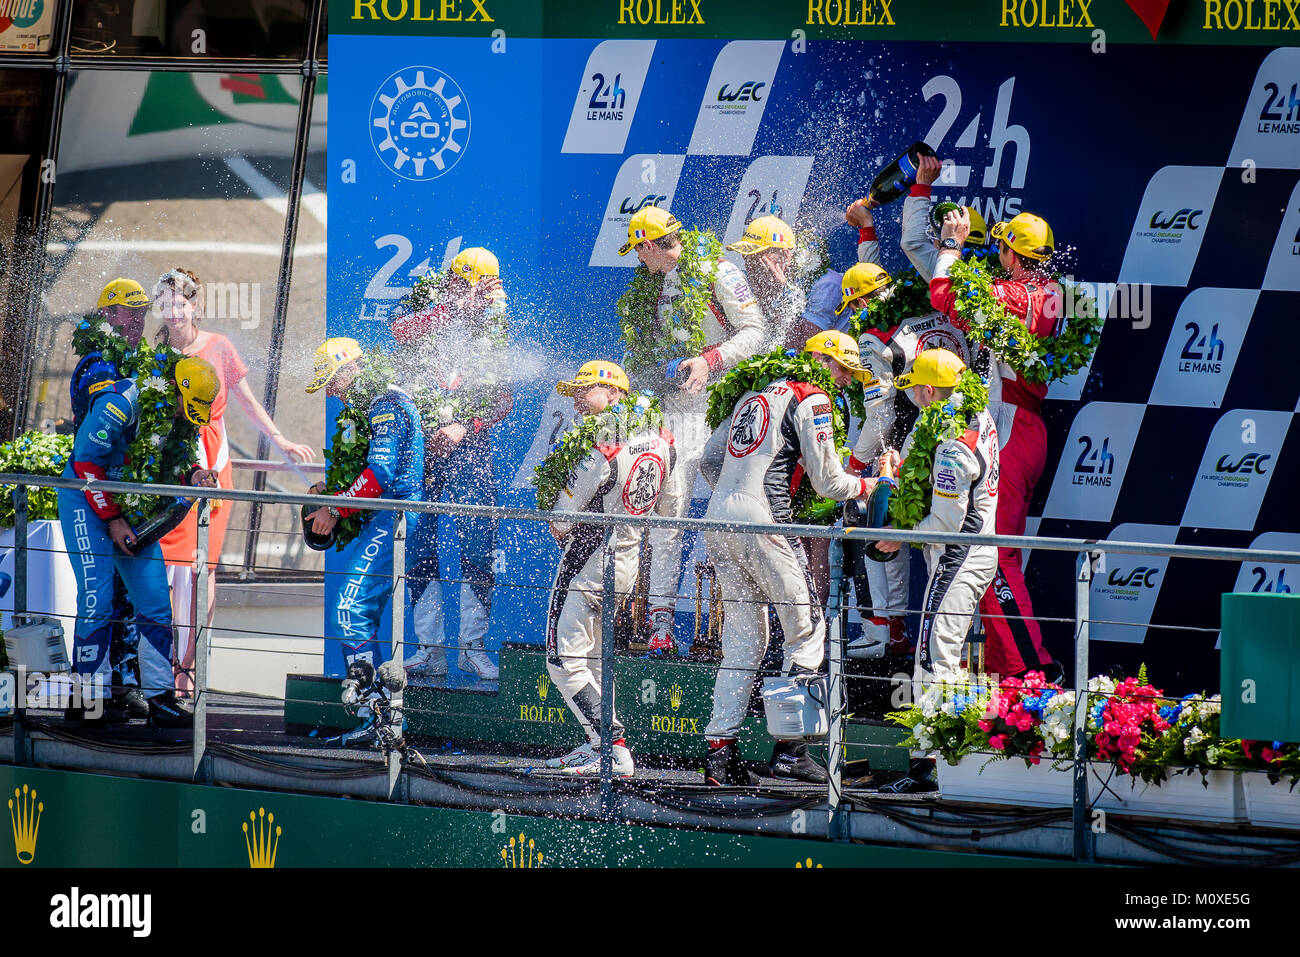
(1251, 462)
(1185, 218)
(1140, 577)
(746, 92)
(627, 207)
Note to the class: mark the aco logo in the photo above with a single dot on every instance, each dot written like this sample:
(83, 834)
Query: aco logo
(1185, 218)
(419, 123)
(746, 92)
(1140, 577)
(1250, 463)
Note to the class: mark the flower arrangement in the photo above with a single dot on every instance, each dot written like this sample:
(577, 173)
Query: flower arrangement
(648, 342)
(1040, 359)
(1123, 717)
(33, 453)
(937, 422)
(946, 718)
(1026, 718)
(635, 413)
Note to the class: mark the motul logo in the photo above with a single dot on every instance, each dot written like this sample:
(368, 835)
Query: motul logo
(1251, 462)
(1183, 219)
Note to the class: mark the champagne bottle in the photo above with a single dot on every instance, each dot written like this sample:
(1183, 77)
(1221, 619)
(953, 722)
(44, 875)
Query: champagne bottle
(896, 178)
(163, 522)
(315, 542)
(937, 213)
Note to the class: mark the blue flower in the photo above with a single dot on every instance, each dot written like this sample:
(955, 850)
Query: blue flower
(1011, 342)
(84, 325)
(1277, 745)
(1087, 339)
(1169, 713)
(161, 357)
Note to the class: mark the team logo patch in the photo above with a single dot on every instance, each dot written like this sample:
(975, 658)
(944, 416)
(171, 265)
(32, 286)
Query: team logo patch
(116, 413)
(98, 387)
(644, 480)
(386, 417)
(945, 479)
(821, 420)
(419, 123)
(749, 426)
(823, 409)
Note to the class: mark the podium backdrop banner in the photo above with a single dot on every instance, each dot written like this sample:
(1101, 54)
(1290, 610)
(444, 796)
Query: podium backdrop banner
(1170, 173)
(51, 582)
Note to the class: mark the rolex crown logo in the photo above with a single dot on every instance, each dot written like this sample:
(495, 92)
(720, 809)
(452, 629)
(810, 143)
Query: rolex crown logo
(675, 696)
(806, 863)
(26, 820)
(521, 853)
(543, 686)
(261, 849)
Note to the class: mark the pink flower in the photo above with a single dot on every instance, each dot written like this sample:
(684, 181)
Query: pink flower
(986, 725)
(998, 741)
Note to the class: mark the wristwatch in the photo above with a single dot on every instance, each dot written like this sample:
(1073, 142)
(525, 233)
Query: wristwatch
(335, 512)
(950, 243)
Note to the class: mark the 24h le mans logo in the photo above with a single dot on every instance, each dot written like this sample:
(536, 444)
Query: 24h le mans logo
(419, 123)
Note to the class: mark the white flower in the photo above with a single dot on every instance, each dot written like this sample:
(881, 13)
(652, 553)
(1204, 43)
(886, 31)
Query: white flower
(949, 706)
(105, 329)
(680, 334)
(156, 440)
(1101, 685)
(923, 743)
(154, 384)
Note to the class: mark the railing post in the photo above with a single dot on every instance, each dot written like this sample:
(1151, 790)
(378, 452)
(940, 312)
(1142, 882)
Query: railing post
(835, 616)
(607, 610)
(22, 743)
(397, 651)
(202, 770)
(1083, 849)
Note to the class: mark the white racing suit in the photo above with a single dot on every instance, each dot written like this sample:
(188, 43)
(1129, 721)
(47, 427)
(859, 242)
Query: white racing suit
(964, 479)
(920, 250)
(735, 329)
(754, 461)
(631, 477)
(888, 354)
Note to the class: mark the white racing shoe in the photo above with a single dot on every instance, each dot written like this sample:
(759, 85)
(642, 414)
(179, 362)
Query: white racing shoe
(427, 662)
(582, 754)
(623, 767)
(476, 661)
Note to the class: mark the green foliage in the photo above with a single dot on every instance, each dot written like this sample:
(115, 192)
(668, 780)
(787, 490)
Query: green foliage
(33, 453)
(648, 343)
(907, 297)
(1039, 359)
(636, 413)
(165, 446)
(937, 422)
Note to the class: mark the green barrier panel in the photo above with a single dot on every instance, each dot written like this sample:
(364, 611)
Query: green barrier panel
(665, 706)
(1260, 667)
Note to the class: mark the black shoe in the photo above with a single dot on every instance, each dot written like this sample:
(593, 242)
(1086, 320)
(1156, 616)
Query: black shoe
(365, 735)
(167, 712)
(107, 715)
(919, 779)
(792, 762)
(130, 703)
(723, 767)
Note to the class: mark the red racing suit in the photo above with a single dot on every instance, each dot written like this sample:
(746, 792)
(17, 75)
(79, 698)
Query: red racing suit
(1014, 639)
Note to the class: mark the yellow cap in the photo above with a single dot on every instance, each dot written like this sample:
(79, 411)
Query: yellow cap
(597, 372)
(861, 279)
(979, 229)
(198, 384)
(766, 232)
(937, 367)
(1028, 235)
(840, 346)
(650, 222)
(122, 292)
(332, 355)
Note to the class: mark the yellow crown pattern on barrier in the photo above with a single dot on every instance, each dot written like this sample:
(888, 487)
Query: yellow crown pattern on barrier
(543, 686)
(521, 853)
(675, 696)
(26, 822)
(261, 850)
(806, 864)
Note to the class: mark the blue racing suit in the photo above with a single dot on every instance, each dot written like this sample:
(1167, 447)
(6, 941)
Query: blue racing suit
(99, 451)
(93, 374)
(394, 469)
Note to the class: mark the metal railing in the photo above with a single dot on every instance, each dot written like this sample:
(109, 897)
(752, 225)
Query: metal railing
(1090, 556)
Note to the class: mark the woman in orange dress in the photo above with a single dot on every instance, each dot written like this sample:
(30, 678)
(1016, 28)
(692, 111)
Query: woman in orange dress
(178, 301)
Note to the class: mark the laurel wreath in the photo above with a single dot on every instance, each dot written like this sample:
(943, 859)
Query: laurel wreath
(754, 375)
(937, 422)
(907, 297)
(649, 344)
(1039, 359)
(349, 449)
(637, 412)
(165, 447)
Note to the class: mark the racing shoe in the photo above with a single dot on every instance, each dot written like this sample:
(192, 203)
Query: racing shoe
(474, 660)
(364, 735)
(428, 662)
(880, 637)
(790, 760)
(584, 753)
(165, 711)
(919, 779)
(107, 715)
(623, 767)
(129, 703)
(723, 767)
